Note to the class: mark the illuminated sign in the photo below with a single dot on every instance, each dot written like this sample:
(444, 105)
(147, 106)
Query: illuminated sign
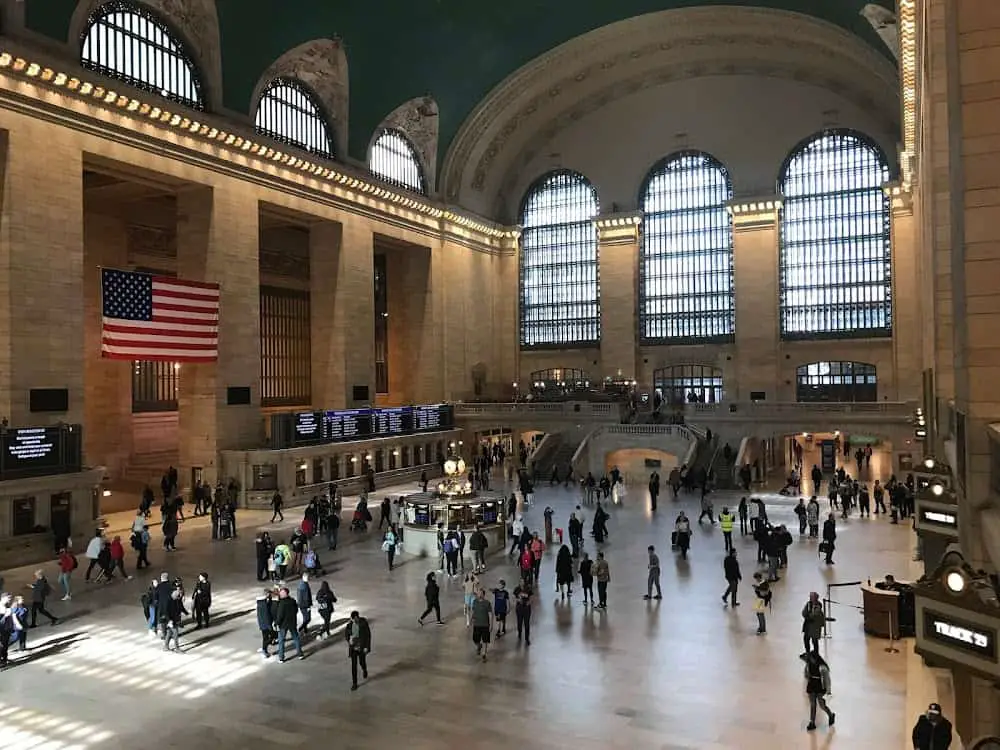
(966, 636)
(938, 518)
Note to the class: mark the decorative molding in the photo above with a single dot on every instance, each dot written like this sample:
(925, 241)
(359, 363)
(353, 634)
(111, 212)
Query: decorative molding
(197, 23)
(696, 41)
(908, 80)
(320, 65)
(418, 120)
(618, 229)
(150, 242)
(901, 197)
(755, 213)
(83, 101)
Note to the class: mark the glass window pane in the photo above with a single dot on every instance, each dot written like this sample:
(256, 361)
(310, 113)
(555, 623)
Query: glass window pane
(560, 293)
(835, 263)
(679, 384)
(287, 112)
(686, 256)
(127, 42)
(394, 160)
(836, 381)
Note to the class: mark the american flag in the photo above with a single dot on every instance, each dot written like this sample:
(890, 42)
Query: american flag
(158, 318)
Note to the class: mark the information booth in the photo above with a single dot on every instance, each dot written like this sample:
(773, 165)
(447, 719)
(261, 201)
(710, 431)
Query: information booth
(455, 505)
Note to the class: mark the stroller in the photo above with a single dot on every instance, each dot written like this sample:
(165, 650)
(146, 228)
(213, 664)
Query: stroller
(362, 517)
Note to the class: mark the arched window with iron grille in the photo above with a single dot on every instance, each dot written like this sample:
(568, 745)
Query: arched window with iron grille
(560, 289)
(289, 112)
(127, 41)
(686, 254)
(836, 254)
(393, 159)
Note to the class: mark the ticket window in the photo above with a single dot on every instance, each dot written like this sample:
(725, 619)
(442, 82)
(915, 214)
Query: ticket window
(60, 514)
(301, 476)
(265, 477)
(23, 521)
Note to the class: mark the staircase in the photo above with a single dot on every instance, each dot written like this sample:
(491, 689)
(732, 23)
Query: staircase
(558, 450)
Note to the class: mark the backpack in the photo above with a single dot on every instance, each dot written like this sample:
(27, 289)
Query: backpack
(76, 563)
(310, 559)
(450, 546)
(279, 557)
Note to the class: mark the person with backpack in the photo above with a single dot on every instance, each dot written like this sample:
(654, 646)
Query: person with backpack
(478, 544)
(817, 674)
(201, 600)
(282, 554)
(67, 564)
(451, 553)
(501, 605)
(761, 602)
(40, 590)
(325, 599)
(298, 543)
(312, 562)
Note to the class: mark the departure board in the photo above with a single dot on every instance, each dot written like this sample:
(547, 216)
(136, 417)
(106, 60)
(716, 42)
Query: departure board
(314, 427)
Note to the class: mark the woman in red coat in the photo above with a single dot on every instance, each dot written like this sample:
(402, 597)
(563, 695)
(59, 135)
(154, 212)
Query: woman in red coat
(118, 556)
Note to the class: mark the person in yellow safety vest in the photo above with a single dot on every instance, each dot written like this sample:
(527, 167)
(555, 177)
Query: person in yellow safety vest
(726, 521)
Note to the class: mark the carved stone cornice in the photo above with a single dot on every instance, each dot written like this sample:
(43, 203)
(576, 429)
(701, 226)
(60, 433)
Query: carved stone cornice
(755, 213)
(558, 88)
(618, 229)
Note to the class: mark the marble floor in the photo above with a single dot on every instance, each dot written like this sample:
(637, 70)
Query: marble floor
(678, 674)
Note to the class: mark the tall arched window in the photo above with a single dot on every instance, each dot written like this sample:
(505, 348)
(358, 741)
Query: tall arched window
(288, 112)
(680, 384)
(125, 41)
(835, 263)
(686, 257)
(559, 285)
(394, 160)
(836, 381)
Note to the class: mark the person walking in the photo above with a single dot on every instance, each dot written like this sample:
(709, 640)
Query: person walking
(389, 543)
(602, 574)
(726, 521)
(265, 621)
(470, 587)
(92, 553)
(742, 511)
(432, 596)
(478, 544)
(564, 572)
(586, 571)
(501, 605)
(812, 517)
(932, 731)
(731, 568)
(118, 557)
(682, 534)
(654, 490)
(304, 601)
(201, 600)
(522, 611)
(325, 599)
(482, 622)
(801, 511)
(829, 543)
(761, 601)
(359, 644)
(277, 503)
(813, 622)
(653, 577)
(878, 494)
(817, 675)
(285, 622)
(40, 590)
(172, 622)
(537, 547)
(67, 564)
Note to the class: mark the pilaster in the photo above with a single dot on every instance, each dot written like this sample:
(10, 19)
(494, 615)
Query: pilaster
(328, 389)
(41, 274)
(618, 262)
(755, 278)
(217, 241)
(354, 312)
(907, 338)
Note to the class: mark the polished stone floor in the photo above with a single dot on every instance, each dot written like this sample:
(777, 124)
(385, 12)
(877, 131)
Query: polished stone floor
(683, 673)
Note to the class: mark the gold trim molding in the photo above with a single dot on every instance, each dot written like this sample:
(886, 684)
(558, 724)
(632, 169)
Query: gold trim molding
(618, 229)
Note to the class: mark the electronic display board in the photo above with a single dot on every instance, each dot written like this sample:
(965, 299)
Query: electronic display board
(31, 448)
(315, 427)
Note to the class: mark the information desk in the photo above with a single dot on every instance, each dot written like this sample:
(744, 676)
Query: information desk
(423, 511)
(881, 606)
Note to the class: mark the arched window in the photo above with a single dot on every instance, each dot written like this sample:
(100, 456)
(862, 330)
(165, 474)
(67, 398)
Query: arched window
(835, 264)
(394, 160)
(126, 41)
(559, 286)
(681, 384)
(288, 112)
(836, 381)
(686, 256)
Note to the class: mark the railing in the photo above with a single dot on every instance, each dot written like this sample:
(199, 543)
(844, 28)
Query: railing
(571, 409)
(678, 430)
(772, 409)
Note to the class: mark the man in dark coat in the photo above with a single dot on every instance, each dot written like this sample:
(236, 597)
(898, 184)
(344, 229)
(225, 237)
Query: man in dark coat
(286, 622)
(359, 644)
(932, 731)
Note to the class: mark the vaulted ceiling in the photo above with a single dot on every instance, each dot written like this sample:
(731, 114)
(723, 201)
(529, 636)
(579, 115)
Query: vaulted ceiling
(456, 51)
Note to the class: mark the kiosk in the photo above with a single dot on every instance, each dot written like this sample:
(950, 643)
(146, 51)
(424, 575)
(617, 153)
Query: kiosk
(455, 505)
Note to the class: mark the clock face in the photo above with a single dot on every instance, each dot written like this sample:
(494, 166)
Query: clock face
(987, 743)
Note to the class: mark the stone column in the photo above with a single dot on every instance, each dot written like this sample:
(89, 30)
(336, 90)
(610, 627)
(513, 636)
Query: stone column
(414, 344)
(342, 300)
(217, 241)
(41, 272)
(618, 266)
(755, 276)
(108, 382)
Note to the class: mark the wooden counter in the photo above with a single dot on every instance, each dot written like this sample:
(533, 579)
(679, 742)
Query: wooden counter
(878, 606)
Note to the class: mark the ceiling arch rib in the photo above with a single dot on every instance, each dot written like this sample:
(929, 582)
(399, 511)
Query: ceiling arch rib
(560, 87)
(321, 65)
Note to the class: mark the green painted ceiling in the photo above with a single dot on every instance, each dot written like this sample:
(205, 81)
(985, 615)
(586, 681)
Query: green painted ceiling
(454, 50)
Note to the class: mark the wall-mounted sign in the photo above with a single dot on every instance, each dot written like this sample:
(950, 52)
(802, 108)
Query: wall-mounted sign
(958, 634)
